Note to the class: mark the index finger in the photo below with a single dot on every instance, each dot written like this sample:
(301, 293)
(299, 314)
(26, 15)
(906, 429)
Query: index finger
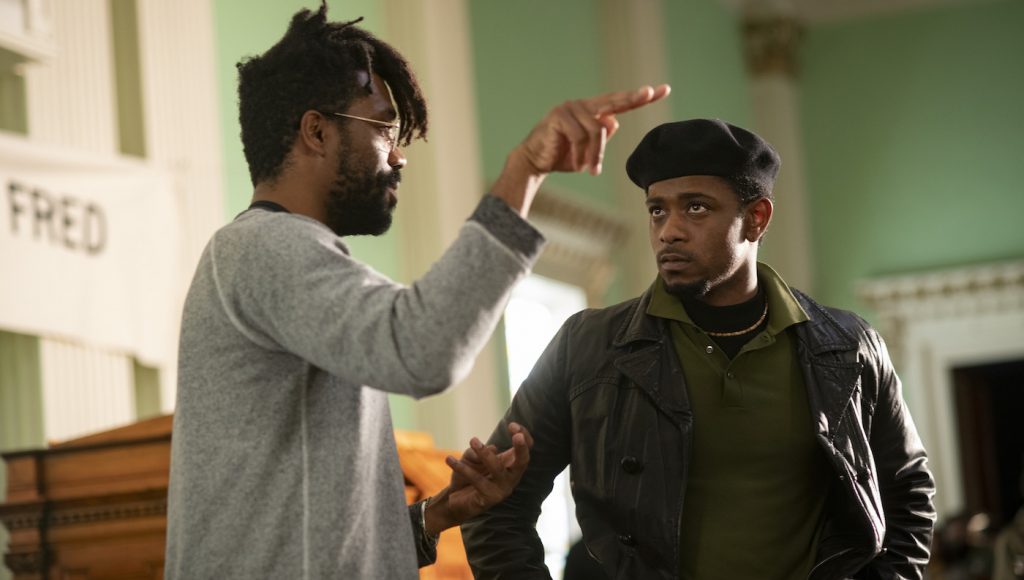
(622, 101)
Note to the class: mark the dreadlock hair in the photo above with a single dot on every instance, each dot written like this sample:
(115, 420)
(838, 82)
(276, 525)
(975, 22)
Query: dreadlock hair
(314, 67)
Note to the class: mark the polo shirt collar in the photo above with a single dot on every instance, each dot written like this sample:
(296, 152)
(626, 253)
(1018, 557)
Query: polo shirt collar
(783, 309)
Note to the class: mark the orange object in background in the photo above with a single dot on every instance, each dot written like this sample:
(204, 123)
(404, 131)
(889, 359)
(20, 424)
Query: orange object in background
(96, 507)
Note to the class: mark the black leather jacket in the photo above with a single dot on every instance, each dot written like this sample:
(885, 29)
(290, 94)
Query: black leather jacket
(605, 397)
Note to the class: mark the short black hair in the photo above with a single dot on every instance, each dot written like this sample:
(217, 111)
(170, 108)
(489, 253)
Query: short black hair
(747, 189)
(314, 67)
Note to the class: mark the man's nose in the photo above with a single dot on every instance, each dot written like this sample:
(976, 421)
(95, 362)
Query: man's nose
(673, 230)
(396, 159)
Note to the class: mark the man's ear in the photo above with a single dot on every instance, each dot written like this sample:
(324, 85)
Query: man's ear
(311, 137)
(758, 216)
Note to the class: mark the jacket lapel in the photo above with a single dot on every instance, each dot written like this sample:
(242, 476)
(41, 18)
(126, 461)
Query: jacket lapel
(832, 375)
(650, 363)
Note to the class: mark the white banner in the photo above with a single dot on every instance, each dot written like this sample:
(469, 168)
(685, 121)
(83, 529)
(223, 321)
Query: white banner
(88, 249)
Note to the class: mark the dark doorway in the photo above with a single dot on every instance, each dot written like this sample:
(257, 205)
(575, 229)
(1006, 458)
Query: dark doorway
(990, 416)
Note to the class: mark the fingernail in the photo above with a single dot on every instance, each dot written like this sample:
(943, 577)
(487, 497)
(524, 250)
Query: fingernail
(599, 166)
(451, 461)
(475, 443)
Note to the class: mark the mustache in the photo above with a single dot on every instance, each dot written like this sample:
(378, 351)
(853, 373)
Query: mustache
(671, 254)
(391, 179)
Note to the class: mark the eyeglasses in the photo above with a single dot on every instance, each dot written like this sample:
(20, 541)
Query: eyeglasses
(389, 130)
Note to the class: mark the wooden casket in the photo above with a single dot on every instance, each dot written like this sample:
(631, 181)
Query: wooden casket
(95, 507)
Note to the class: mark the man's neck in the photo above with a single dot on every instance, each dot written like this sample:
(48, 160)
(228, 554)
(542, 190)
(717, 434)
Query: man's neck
(282, 191)
(740, 288)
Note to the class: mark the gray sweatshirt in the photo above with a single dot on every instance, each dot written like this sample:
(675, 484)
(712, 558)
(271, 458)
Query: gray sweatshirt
(283, 461)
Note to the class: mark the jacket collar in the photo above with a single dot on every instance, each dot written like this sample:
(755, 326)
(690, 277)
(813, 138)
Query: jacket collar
(822, 342)
(639, 326)
(821, 332)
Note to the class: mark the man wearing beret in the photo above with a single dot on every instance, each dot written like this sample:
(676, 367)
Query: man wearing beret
(722, 425)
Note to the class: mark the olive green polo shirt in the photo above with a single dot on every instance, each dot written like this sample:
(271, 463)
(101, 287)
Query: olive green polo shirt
(757, 481)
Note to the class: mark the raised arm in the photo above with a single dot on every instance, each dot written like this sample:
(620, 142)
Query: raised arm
(335, 312)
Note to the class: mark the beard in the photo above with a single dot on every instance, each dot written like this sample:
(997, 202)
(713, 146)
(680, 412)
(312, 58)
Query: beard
(690, 290)
(358, 202)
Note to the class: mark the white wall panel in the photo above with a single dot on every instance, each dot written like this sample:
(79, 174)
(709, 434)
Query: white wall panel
(71, 102)
(84, 390)
(176, 47)
(182, 122)
(71, 96)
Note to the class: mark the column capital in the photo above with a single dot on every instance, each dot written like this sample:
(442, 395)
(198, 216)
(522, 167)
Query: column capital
(772, 45)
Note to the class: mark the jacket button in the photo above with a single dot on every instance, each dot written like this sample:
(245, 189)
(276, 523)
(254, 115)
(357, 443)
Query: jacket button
(627, 540)
(631, 465)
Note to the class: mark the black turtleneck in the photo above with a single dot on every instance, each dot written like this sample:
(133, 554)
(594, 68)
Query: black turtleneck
(729, 319)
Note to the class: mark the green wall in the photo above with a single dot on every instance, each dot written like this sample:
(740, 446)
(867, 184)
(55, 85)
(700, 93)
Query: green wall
(914, 132)
(705, 60)
(246, 28)
(529, 56)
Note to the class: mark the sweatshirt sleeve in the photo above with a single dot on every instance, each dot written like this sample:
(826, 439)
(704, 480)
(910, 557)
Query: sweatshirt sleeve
(289, 284)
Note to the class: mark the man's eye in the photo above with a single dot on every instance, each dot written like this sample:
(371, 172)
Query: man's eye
(697, 207)
(655, 211)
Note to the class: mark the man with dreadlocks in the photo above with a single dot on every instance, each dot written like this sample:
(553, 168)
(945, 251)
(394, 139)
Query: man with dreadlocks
(284, 462)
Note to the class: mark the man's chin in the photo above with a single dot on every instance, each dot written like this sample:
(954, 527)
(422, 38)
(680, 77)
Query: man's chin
(379, 228)
(687, 289)
(378, 225)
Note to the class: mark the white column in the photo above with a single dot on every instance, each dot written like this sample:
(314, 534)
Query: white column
(772, 44)
(635, 55)
(443, 184)
(182, 129)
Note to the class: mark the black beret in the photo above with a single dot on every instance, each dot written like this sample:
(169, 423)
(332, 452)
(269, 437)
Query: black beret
(702, 147)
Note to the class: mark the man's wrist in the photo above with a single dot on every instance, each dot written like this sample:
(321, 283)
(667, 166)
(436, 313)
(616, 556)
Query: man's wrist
(518, 183)
(435, 516)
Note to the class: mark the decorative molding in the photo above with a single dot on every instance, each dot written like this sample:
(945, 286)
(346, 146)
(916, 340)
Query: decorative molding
(22, 520)
(772, 45)
(24, 562)
(29, 32)
(86, 514)
(956, 292)
(935, 322)
(581, 240)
